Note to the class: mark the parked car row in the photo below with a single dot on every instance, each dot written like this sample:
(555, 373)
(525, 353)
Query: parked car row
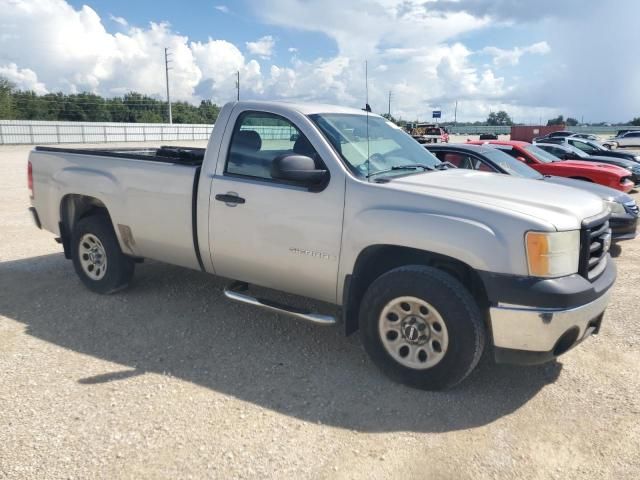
(590, 147)
(548, 164)
(624, 138)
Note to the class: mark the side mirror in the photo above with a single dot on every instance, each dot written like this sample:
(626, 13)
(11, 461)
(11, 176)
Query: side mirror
(298, 169)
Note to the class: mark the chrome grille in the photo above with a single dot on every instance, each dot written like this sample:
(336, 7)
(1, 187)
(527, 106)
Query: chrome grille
(594, 247)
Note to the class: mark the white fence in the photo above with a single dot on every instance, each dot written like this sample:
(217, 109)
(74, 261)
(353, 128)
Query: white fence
(14, 132)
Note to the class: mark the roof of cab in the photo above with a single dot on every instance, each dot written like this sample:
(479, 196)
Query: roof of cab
(304, 108)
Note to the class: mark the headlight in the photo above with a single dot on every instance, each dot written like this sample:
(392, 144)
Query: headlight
(615, 207)
(552, 254)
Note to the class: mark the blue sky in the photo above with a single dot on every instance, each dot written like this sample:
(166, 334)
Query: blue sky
(533, 59)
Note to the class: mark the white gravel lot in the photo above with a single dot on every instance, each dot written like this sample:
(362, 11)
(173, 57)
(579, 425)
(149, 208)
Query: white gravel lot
(170, 380)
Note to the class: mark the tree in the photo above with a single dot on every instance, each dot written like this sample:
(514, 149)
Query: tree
(6, 92)
(500, 118)
(559, 120)
(571, 122)
(635, 122)
(89, 107)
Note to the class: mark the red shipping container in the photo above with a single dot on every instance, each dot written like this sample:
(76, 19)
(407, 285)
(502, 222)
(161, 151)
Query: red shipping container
(526, 133)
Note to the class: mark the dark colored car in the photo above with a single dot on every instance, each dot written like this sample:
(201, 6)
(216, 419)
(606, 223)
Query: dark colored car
(624, 210)
(592, 148)
(567, 152)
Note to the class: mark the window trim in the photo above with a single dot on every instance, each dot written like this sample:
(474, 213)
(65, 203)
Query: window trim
(272, 181)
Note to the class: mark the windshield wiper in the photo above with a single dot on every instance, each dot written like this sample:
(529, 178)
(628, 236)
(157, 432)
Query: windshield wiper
(412, 166)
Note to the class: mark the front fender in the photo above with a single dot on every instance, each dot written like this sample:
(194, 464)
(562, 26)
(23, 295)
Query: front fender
(472, 242)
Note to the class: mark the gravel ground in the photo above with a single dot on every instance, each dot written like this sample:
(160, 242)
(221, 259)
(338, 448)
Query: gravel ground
(169, 379)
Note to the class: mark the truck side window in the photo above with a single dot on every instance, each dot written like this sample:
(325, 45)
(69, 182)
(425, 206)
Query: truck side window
(258, 138)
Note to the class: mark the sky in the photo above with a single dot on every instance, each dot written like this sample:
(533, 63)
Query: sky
(534, 59)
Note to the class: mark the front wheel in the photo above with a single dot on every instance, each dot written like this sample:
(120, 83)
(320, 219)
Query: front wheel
(422, 327)
(97, 257)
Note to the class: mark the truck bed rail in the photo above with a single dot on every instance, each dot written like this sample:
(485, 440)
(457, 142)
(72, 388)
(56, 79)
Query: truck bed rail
(167, 154)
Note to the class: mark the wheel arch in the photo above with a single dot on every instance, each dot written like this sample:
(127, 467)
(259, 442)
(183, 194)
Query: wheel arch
(74, 207)
(375, 260)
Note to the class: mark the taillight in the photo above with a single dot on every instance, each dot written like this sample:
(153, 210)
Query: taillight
(30, 179)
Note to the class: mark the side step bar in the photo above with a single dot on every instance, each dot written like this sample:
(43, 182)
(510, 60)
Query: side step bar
(233, 290)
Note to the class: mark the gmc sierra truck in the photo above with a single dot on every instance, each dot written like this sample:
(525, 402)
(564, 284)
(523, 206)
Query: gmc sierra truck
(431, 263)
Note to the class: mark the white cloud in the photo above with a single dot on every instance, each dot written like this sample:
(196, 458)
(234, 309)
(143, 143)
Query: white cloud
(23, 78)
(413, 48)
(119, 20)
(262, 47)
(502, 57)
(222, 8)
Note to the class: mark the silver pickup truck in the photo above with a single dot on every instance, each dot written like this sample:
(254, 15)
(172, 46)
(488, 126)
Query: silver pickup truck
(432, 264)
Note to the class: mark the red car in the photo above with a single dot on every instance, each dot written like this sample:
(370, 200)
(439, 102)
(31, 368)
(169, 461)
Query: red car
(547, 164)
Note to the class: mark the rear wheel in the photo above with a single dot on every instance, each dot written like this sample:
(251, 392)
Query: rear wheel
(422, 327)
(97, 257)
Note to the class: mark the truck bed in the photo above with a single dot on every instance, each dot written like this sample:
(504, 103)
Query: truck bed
(166, 154)
(149, 191)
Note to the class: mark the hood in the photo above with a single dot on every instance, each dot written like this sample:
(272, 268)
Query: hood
(563, 207)
(622, 162)
(592, 165)
(603, 192)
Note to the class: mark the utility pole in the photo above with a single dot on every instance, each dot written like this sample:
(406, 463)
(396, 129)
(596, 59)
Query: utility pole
(389, 112)
(238, 85)
(166, 67)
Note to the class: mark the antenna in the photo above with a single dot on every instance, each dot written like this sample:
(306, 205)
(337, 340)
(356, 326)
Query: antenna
(367, 109)
(166, 68)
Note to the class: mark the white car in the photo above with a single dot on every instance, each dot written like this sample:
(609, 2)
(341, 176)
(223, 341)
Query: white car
(628, 139)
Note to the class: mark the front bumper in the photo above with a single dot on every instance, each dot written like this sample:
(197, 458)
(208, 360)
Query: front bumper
(548, 316)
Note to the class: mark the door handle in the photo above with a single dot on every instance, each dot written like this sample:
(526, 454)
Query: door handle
(229, 198)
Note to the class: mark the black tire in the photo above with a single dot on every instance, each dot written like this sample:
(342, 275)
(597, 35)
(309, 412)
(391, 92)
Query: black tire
(455, 305)
(119, 267)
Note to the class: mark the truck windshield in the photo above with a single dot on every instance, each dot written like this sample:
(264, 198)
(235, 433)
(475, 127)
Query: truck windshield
(374, 147)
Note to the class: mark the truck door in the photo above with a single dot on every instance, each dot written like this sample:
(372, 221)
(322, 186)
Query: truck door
(267, 232)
